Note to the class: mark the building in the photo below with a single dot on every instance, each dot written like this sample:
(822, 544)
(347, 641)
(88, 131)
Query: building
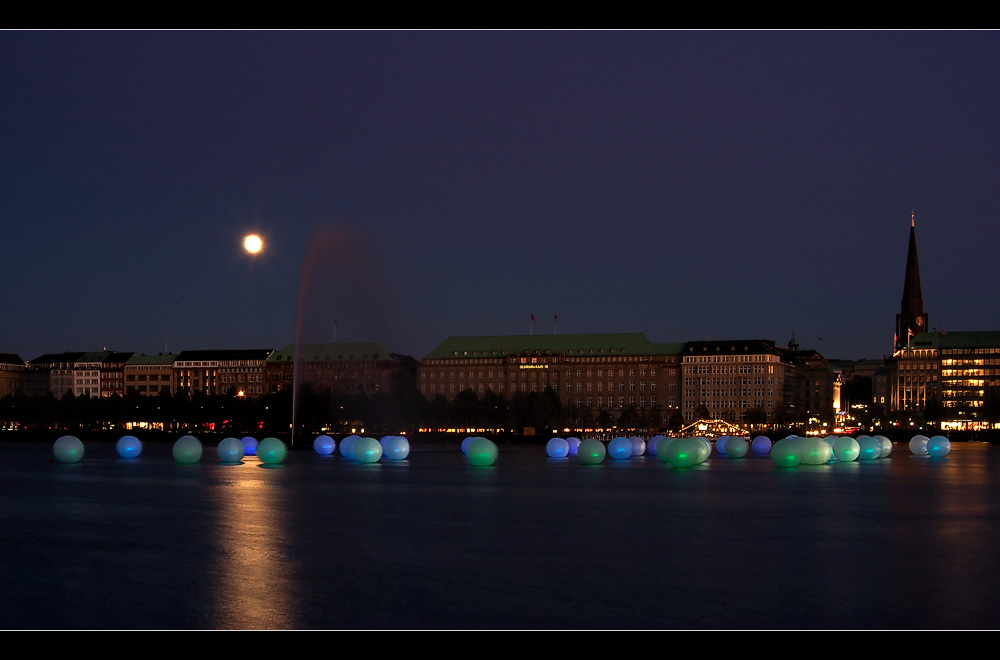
(113, 373)
(149, 375)
(11, 374)
(51, 373)
(218, 372)
(353, 368)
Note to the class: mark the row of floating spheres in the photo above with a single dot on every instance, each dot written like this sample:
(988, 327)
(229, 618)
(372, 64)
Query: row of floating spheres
(187, 449)
(365, 450)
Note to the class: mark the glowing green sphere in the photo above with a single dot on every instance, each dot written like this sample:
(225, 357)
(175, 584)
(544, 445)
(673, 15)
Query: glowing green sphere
(481, 452)
(367, 450)
(591, 451)
(846, 448)
(814, 451)
(68, 449)
(736, 447)
(187, 449)
(684, 452)
(272, 451)
(786, 452)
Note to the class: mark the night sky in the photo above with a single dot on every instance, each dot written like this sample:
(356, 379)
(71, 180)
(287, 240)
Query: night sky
(423, 184)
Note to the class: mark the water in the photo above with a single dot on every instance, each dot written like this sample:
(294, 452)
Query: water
(531, 542)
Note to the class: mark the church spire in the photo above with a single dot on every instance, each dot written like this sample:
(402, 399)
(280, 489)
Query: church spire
(911, 319)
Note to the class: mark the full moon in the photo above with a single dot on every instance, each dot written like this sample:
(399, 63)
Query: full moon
(253, 244)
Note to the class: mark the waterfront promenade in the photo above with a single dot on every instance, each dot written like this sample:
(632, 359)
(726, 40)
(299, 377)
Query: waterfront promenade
(531, 542)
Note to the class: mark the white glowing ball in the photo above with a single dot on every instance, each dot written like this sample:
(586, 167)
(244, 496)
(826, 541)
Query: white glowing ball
(481, 452)
(918, 445)
(761, 445)
(367, 450)
(814, 451)
(557, 448)
(720, 443)
(652, 444)
(786, 453)
(68, 449)
(231, 450)
(620, 448)
(249, 445)
(395, 448)
(846, 448)
(187, 449)
(324, 445)
(638, 446)
(128, 446)
(573, 443)
(736, 447)
(591, 451)
(886, 446)
(871, 448)
(938, 446)
(272, 451)
(705, 450)
(347, 446)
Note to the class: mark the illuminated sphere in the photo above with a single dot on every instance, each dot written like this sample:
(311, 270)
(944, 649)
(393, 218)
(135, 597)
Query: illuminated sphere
(814, 451)
(367, 450)
(938, 446)
(231, 450)
(871, 448)
(573, 444)
(395, 448)
(846, 448)
(620, 448)
(272, 451)
(465, 443)
(557, 448)
(249, 445)
(761, 445)
(347, 446)
(661, 448)
(886, 446)
(720, 443)
(918, 445)
(786, 453)
(651, 445)
(128, 446)
(68, 449)
(481, 452)
(638, 446)
(187, 449)
(591, 451)
(683, 452)
(324, 445)
(736, 447)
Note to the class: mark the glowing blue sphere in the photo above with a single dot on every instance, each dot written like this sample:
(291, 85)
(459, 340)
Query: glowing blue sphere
(465, 443)
(395, 448)
(814, 451)
(367, 450)
(871, 448)
(187, 449)
(619, 448)
(249, 445)
(591, 451)
(128, 446)
(761, 445)
(347, 446)
(573, 443)
(846, 448)
(651, 445)
(557, 448)
(231, 450)
(918, 445)
(638, 446)
(324, 445)
(271, 451)
(736, 447)
(938, 446)
(786, 453)
(481, 452)
(68, 449)
(720, 443)
(886, 446)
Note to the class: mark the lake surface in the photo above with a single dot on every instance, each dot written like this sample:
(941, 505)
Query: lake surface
(531, 542)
